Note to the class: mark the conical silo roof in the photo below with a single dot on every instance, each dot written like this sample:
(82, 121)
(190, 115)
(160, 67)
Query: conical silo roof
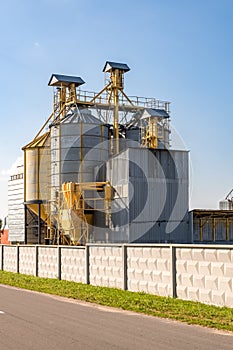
(81, 115)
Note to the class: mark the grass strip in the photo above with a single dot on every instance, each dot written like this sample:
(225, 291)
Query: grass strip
(176, 309)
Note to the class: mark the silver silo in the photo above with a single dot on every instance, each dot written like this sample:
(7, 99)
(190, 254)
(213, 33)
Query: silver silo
(77, 147)
(150, 120)
(36, 187)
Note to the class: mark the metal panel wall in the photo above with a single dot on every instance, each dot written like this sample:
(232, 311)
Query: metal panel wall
(16, 209)
(117, 172)
(160, 201)
(211, 226)
(157, 184)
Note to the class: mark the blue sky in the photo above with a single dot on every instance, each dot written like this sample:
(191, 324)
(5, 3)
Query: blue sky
(178, 50)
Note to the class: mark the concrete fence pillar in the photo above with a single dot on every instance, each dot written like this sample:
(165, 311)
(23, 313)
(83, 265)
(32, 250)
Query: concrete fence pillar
(36, 260)
(173, 271)
(124, 267)
(17, 258)
(59, 262)
(87, 264)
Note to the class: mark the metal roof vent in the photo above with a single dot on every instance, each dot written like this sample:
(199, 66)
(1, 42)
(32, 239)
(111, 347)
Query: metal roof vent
(154, 112)
(110, 66)
(65, 80)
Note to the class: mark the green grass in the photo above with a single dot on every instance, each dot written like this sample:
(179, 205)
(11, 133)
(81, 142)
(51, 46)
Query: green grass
(176, 309)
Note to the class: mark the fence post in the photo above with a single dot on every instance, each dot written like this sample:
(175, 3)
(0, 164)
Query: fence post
(124, 267)
(37, 262)
(87, 263)
(17, 258)
(59, 262)
(173, 270)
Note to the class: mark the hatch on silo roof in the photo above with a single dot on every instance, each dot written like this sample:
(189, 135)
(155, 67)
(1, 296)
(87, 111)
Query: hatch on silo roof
(65, 80)
(115, 65)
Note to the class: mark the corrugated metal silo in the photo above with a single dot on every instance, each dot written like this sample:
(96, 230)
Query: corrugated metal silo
(36, 187)
(77, 146)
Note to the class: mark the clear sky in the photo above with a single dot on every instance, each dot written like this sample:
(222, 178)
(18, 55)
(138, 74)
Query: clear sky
(178, 50)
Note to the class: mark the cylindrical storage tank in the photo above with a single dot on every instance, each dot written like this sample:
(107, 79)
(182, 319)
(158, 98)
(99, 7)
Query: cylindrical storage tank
(164, 141)
(36, 169)
(133, 134)
(31, 174)
(139, 127)
(36, 187)
(78, 145)
(226, 205)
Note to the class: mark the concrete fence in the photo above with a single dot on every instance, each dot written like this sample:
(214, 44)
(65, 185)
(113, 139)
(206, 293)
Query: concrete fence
(191, 272)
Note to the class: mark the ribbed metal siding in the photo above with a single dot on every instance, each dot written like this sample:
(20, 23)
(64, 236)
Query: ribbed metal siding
(213, 229)
(37, 172)
(230, 230)
(16, 209)
(158, 191)
(162, 181)
(225, 205)
(116, 171)
(32, 174)
(220, 230)
(81, 148)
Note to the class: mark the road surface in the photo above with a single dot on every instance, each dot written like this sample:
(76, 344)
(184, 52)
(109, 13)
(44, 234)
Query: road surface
(35, 321)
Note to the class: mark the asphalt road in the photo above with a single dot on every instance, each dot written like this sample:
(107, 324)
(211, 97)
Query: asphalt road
(35, 321)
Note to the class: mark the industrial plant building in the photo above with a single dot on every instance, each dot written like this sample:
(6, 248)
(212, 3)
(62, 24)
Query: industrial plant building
(16, 222)
(209, 226)
(102, 169)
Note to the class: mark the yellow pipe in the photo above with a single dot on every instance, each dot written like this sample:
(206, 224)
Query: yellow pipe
(115, 123)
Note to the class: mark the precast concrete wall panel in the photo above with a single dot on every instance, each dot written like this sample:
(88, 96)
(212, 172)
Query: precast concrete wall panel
(205, 275)
(202, 273)
(149, 270)
(106, 266)
(27, 260)
(48, 262)
(73, 264)
(10, 258)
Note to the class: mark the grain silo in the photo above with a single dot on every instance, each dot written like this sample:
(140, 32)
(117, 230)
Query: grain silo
(101, 168)
(36, 188)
